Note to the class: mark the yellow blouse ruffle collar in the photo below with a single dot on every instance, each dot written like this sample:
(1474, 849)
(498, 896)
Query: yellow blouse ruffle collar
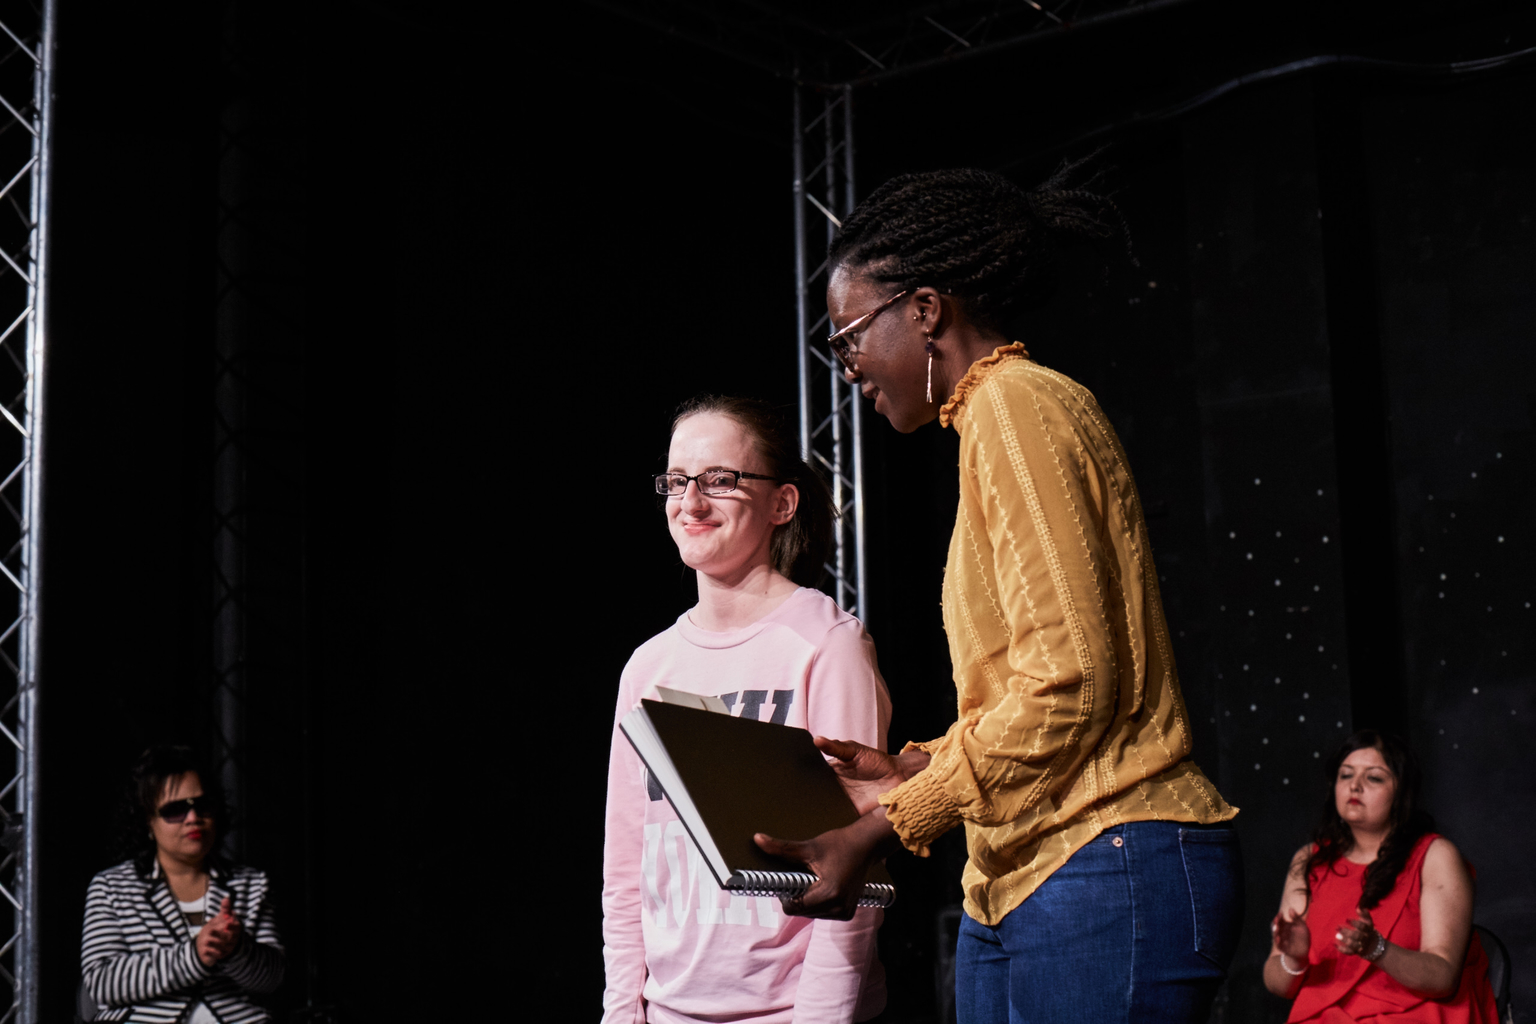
(974, 377)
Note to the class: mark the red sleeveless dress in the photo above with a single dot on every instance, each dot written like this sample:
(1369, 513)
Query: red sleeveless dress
(1346, 989)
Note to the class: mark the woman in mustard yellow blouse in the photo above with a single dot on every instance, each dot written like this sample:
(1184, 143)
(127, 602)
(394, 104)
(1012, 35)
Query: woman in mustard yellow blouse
(1102, 883)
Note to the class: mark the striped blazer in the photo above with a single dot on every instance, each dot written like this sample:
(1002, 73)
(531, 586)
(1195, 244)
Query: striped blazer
(139, 960)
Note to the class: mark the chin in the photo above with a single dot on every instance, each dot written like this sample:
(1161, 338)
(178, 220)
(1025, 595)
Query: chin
(910, 423)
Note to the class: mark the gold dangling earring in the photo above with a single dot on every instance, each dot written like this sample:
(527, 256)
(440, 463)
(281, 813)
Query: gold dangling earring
(930, 349)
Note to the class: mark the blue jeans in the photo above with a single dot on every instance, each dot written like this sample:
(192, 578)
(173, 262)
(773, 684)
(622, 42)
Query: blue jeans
(1138, 926)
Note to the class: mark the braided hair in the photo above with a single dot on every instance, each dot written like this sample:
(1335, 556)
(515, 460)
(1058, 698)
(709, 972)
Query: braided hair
(975, 235)
(799, 548)
(1409, 822)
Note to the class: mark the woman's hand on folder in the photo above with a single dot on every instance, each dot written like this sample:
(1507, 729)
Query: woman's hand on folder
(839, 859)
(866, 772)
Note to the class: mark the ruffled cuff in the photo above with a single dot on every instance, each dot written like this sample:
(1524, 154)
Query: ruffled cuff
(975, 375)
(920, 809)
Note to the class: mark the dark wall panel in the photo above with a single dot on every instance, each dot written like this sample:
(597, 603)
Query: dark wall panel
(1278, 654)
(1454, 201)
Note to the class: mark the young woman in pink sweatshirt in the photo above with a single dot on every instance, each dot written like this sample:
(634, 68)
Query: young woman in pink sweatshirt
(754, 523)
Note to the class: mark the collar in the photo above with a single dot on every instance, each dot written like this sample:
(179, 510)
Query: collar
(160, 896)
(209, 865)
(974, 377)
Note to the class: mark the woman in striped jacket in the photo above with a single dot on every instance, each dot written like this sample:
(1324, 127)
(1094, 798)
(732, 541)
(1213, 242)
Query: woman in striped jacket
(176, 934)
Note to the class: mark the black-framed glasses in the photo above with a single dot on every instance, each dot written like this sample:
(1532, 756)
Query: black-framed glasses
(176, 811)
(711, 481)
(839, 339)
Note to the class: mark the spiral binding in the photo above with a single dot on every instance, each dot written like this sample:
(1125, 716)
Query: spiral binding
(789, 884)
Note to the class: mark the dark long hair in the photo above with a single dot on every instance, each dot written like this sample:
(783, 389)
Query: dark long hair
(975, 235)
(140, 796)
(799, 547)
(1408, 824)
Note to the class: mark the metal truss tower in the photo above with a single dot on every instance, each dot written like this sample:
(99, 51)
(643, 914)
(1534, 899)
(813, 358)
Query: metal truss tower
(26, 127)
(831, 433)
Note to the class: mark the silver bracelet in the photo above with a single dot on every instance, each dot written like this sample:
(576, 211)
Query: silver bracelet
(1379, 948)
(1287, 970)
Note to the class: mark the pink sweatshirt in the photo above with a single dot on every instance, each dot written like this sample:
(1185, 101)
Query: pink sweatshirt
(677, 948)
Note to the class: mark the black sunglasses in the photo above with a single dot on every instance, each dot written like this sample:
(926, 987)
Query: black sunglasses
(176, 811)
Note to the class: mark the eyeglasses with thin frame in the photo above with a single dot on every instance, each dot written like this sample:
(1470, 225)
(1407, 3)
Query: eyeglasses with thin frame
(841, 346)
(711, 481)
(175, 812)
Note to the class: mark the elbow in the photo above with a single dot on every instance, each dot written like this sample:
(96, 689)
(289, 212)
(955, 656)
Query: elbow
(94, 980)
(268, 979)
(262, 984)
(1441, 983)
(273, 976)
(258, 971)
(1440, 990)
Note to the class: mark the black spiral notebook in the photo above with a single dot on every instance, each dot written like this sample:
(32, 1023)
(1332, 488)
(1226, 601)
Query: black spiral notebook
(728, 778)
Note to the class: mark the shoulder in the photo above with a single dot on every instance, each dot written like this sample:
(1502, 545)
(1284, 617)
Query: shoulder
(655, 645)
(117, 884)
(1020, 384)
(1294, 894)
(1025, 400)
(119, 876)
(244, 874)
(818, 620)
(1296, 874)
(1442, 861)
(642, 664)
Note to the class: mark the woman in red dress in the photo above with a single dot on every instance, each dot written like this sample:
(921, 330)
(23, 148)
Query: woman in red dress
(1375, 922)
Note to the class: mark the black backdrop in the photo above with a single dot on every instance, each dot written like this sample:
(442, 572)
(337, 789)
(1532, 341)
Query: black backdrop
(487, 249)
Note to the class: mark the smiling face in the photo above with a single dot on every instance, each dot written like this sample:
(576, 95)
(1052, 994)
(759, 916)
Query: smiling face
(1364, 790)
(890, 363)
(724, 536)
(189, 840)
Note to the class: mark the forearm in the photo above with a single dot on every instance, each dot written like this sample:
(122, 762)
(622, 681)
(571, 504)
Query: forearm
(993, 766)
(911, 761)
(130, 978)
(833, 973)
(1282, 982)
(256, 966)
(874, 834)
(623, 856)
(920, 808)
(1428, 974)
(623, 960)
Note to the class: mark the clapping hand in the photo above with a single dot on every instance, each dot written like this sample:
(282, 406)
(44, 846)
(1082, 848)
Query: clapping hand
(1357, 937)
(219, 936)
(1292, 937)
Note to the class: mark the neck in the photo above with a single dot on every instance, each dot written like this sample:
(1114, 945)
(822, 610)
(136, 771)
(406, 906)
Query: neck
(727, 604)
(1367, 845)
(960, 346)
(178, 870)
